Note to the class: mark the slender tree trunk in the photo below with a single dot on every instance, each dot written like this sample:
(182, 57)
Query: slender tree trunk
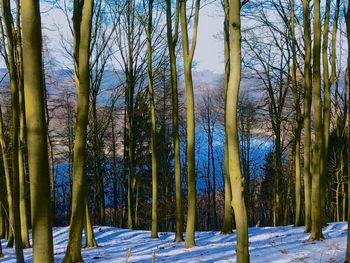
(227, 225)
(164, 155)
(70, 152)
(36, 134)
(5, 158)
(115, 176)
(22, 174)
(149, 31)
(131, 150)
(298, 124)
(97, 162)
(214, 176)
(316, 213)
(307, 114)
(278, 208)
(343, 195)
(22, 136)
(52, 178)
(1, 254)
(208, 170)
(347, 21)
(51, 155)
(188, 58)
(129, 97)
(136, 211)
(121, 222)
(327, 83)
(82, 19)
(3, 205)
(337, 197)
(231, 130)
(89, 231)
(6, 12)
(172, 40)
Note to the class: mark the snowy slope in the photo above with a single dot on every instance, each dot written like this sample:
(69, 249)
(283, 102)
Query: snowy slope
(267, 244)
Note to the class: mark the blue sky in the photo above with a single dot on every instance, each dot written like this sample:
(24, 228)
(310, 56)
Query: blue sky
(209, 51)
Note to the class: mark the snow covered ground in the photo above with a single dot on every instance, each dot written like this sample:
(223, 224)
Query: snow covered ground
(267, 244)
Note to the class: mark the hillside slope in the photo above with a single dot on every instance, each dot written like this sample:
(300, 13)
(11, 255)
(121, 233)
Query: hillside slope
(267, 244)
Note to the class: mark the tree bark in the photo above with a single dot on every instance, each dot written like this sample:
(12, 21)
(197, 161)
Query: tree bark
(227, 225)
(347, 21)
(316, 213)
(149, 31)
(36, 134)
(115, 176)
(172, 40)
(231, 130)
(307, 114)
(82, 20)
(298, 122)
(5, 159)
(6, 12)
(188, 58)
(22, 135)
(89, 231)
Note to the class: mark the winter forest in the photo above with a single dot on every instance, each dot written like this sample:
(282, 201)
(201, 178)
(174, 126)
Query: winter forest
(126, 135)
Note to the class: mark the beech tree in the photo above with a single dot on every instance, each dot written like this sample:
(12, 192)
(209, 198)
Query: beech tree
(82, 22)
(14, 86)
(307, 114)
(150, 77)
(36, 134)
(172, 39)
(316, 214)
(227, 226)
(188, 54)
(347, 22)
(231, 131)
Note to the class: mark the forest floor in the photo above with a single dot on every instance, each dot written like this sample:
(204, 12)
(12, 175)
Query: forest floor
(266, 244)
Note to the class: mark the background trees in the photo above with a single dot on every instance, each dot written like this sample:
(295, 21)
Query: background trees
(145, 118)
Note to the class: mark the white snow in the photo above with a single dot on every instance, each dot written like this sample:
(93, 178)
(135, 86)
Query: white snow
(266, 244)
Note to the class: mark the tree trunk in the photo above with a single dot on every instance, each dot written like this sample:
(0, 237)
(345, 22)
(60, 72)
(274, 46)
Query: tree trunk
(347, 21)
(3, 205)
(316, 213)
(5, 159)
(175, 118)
(191, 177)
(89, 231)
(97, 162)
(208, 168)
(13, 75)
(22, 174)
(36, 134)
(122, 192)
(298, 124)
(307, 114)
(227, 225)
(129, 99)
(278, 208)
(149, 30)
(231, 130)
(22, 136)
(82, 19)
(115, 175)
(214, 177)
